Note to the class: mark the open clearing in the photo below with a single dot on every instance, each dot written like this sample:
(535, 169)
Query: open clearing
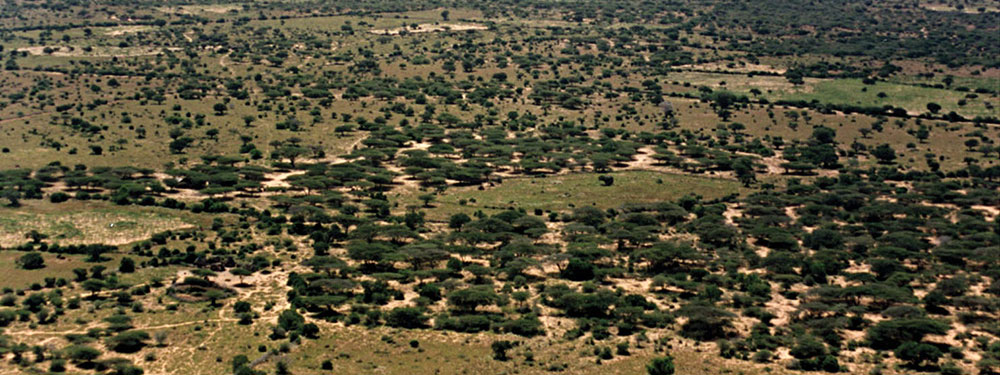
(73, 51)
(564, 192)
(913, 98)
(87, 223)
(428, 28)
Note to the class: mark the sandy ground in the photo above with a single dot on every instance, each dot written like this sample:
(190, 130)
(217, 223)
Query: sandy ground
(195, 9)
(122, 30)
(721, 67)
(66, 51)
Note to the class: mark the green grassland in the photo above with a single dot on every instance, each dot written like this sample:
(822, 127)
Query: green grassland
(62, 266)
(563, 192)
(900, 93)
(913, 98)
(81, 222)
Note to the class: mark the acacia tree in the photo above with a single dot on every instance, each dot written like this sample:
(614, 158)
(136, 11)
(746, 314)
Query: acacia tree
(466, 300)
(917, 354)
(241, 273)
(745, 172)
(81, 353)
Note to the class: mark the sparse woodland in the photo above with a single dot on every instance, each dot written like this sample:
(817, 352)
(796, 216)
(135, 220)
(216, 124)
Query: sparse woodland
(500, 187)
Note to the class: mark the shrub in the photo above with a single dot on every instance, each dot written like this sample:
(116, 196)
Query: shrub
(888, 334)
(31, 261)
(661, 366)
(527, 327)
(58, 197)
(405, 317)
(468, 323)
(128, 342)
(763, 356)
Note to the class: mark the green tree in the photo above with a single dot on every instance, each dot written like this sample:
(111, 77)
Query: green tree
(127, 265)
(933, 107)
(35, 236)
(466, 300)
(888, 334)
(12, 196)
(128, 342)
(240, 273)
(971, 143)
(457, 221)
(745, 171)
(93, 286)
(214, 296)
(427, 199)
(884, 153)
(81, 353)
(500, 349)
(917, 354)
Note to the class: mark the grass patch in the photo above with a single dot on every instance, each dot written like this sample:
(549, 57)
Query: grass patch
(77, 222)
(581, 189)
(355, 350)
(913, 98)
(13, 277)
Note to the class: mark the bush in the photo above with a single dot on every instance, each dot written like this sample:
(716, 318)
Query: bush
(661, 366)
(127, 265)
(31, 261)
(406, 317)
(310, 330)
(57, 365)
(888, 334)
(289, 320)
(58, 197)
(527, 327)
(763, 356)
(241, 307)
(951, 369)
(578, 270)
(705, 328)
(467, 324)
(7, 316)
(128, 342)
